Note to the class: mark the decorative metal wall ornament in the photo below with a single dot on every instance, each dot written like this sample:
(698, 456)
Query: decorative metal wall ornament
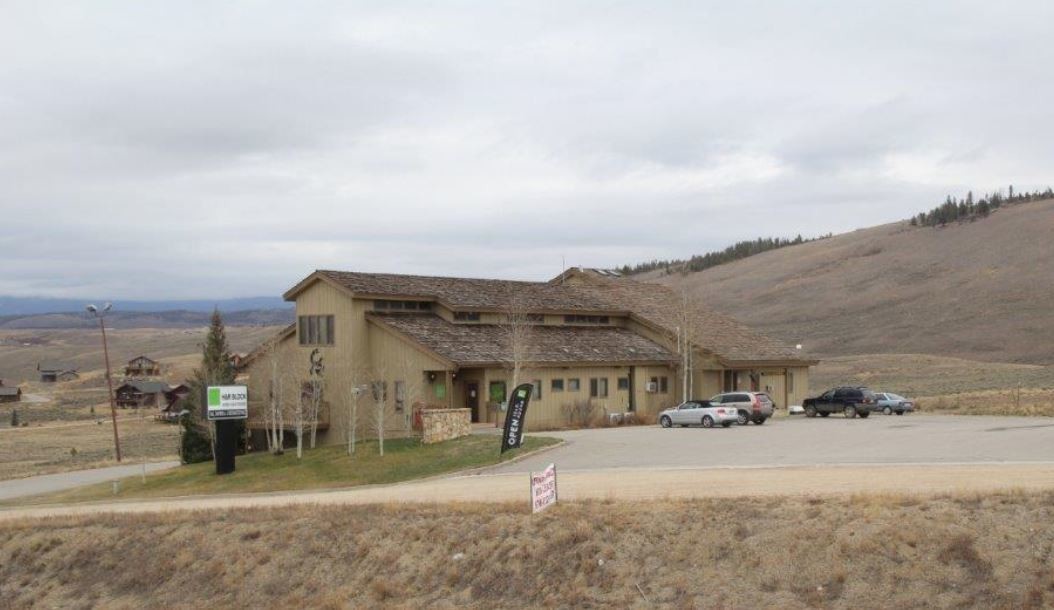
(316, 363)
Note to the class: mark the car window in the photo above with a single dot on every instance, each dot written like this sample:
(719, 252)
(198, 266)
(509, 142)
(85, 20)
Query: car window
(742, 397)
(880, 396)
(716, 399)
(894, 397)
(828, 394)
(690, 405)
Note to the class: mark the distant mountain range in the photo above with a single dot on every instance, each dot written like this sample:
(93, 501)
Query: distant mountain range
(21, 306)
(21, 312)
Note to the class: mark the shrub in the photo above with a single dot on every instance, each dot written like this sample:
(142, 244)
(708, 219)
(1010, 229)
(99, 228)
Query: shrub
(580, 413)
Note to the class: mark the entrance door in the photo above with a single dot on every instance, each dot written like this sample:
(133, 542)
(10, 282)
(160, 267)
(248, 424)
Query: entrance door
(472, 399)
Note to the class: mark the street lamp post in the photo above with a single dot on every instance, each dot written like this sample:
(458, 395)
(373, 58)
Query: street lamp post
(99, 315)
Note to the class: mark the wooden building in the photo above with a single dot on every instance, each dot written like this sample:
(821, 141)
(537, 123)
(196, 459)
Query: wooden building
(142, 366)
(589, 341)
(50, 372)
(140, 393)
(10, 394)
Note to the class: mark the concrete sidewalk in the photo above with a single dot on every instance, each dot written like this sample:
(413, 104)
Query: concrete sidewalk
(31, 486)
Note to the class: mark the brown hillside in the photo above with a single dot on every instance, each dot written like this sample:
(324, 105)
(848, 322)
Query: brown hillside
(980, 290)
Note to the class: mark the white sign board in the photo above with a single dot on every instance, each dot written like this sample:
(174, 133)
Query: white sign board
(228, 402)
(543, 488)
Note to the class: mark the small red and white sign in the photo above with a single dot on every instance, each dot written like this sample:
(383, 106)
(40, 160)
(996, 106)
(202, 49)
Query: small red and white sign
(543, 488)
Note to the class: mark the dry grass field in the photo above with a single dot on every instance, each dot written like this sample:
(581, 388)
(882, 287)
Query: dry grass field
(993, 551)
(979, 290)
(21, 350)
(945, 385)
(72, 446)
(49, 444)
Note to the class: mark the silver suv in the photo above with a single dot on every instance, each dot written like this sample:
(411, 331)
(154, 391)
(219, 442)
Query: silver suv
(752, 406)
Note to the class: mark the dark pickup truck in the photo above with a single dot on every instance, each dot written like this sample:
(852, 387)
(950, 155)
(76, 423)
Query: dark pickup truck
(850, 401)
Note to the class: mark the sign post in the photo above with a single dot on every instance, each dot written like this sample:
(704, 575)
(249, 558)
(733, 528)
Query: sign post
(543, 489)
(226, 405)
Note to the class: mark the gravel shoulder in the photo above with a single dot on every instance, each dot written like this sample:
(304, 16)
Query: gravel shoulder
(638, 484)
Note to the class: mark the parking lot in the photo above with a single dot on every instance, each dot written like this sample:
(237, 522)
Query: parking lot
(797, 441)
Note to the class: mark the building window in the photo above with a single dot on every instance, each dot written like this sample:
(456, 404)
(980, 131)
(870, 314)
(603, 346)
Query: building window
(557, 385)
(315, 330)
(400, 395)
(382, 305)
(623, 383)
(664, 385)
(380, 391)
(536, 318)
(579, 319)
(790, 382)
(497, 391)
(466, 316)
(439, 389)
(598, 387)
(536, 391)
(573, 385)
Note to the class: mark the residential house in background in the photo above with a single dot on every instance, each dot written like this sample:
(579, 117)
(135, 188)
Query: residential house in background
(50, 372)
(142, 366)
(590, 342)
(141, 393)
(10, 394)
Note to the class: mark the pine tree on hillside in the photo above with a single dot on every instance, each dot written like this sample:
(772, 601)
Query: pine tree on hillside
(216, 369)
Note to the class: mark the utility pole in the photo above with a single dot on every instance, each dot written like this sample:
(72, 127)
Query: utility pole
(92, 309)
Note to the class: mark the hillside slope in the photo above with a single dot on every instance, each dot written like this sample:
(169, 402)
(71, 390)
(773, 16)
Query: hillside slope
(980, 290)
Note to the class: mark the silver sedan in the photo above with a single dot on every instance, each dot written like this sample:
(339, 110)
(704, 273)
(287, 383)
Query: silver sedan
(890, 403)
(698, 413)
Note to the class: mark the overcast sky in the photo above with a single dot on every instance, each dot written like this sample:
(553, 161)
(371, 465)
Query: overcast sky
(217, 149)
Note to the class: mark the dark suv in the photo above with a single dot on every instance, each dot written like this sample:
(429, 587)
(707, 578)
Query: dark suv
(851, 401)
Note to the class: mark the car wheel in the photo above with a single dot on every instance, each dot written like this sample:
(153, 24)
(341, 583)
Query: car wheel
(726, 424)
(665, 421)
(742, 419)
(708, 422)
(825, 414)
(850, 412)
(810, 411)
(889, 411)
(864, 414)
(759, 421)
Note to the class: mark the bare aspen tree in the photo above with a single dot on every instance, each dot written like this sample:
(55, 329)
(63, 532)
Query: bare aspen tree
(298, 419)
(517, 329)
(380, 391)
(315, 404)
(352, 394)
(685, 342)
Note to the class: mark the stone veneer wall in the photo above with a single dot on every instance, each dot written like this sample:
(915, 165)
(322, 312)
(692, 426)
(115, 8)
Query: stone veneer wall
(444, 424)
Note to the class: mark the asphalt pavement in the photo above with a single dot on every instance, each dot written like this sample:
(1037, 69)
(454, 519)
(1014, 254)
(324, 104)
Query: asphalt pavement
(801, 441)
(31, 486)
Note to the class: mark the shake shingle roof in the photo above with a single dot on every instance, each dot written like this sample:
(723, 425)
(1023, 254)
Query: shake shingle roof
(478, 344)
(657, 305)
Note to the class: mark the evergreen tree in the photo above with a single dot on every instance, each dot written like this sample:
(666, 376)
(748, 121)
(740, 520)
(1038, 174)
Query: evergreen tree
(216, 369)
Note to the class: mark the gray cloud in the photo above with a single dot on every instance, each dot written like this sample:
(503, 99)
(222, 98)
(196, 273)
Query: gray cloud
(231, 148)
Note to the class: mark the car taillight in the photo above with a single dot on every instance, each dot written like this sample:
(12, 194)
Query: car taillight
(757, 403)
(720, 411)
